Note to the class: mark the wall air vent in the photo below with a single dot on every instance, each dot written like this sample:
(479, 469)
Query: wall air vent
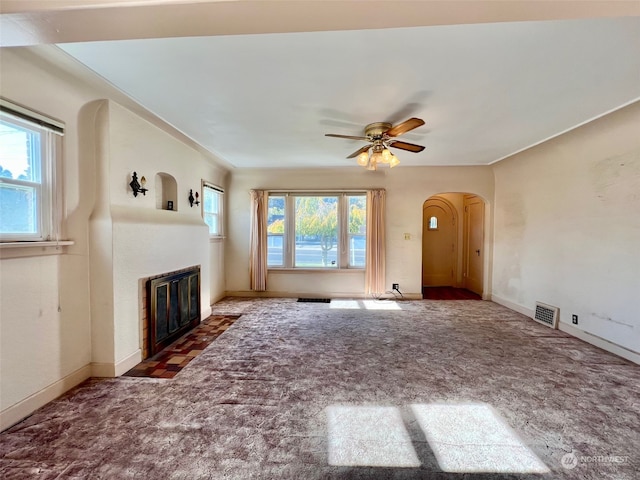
(547, 315)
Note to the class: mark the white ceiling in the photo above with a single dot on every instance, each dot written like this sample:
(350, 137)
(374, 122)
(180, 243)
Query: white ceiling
(485, 90)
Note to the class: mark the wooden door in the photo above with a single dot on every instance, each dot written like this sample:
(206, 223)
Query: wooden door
(473, 243)
(439, 234)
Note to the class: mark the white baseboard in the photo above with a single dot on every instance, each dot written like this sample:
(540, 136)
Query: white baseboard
(106, 370)
(273, 294)
(128, 363)
(12, 415)
(218, 298)
(513, 306)
(205, 313)
(576, 332)
(110, 370)
(600, 342)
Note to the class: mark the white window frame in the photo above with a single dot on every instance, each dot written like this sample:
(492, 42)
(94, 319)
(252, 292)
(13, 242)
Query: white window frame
(220, 214)
(48, 191)
(288, 253)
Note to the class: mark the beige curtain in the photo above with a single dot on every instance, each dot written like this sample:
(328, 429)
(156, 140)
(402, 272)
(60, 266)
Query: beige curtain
(258, 248)
(375, 271)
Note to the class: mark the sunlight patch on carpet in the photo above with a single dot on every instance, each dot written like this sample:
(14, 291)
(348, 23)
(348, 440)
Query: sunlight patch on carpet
(468, 438)
(369, 436)
(364, 305)
(381, 305)
(345, 305)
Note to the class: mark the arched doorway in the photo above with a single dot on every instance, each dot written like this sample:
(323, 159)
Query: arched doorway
(439, 243)
(453, 246)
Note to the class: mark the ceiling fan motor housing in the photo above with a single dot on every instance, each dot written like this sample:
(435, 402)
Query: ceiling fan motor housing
(377, 129)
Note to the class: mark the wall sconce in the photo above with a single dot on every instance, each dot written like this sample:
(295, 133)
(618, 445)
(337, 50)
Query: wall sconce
(193, 200)
(138, 187)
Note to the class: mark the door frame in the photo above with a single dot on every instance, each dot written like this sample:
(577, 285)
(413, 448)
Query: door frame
(456, 223)
(466, 253)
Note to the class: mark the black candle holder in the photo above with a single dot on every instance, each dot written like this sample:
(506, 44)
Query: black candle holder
(193, 201)
(138, 187)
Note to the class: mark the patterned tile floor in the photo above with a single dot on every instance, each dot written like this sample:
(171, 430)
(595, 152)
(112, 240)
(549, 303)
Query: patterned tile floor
(169, 362)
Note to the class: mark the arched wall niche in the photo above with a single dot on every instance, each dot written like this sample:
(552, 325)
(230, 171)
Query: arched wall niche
(166, 192)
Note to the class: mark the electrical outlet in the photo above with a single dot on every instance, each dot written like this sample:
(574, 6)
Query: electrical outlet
(395, 286)
(574, 319)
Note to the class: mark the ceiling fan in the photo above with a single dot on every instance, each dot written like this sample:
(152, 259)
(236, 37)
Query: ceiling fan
(380, 136)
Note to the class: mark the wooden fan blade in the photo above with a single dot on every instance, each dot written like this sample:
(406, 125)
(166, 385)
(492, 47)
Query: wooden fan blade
(346, 136)
(359, 151)
(404, 127)
(406, 146)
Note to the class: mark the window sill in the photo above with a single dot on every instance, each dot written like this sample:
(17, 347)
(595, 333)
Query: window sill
(315, 270)
(30, 249)
(216, 239)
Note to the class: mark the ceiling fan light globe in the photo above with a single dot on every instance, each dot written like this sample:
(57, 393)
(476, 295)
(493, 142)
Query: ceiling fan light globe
(393, 161)
(386, 156)
(363, 159)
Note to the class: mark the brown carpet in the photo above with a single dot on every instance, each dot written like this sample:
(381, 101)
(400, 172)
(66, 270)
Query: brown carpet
(351, 389)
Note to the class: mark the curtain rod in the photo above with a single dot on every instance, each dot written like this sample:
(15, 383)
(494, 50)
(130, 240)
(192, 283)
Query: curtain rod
(31, 117)
(212, 187)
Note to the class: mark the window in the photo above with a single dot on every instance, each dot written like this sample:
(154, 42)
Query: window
(275, 231)
(212, 208)
(304, 230)
(357, 230)
(316, 221)
(433, 223)
(29, 143)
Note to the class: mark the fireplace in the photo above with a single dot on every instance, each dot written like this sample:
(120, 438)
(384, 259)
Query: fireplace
(173, 307)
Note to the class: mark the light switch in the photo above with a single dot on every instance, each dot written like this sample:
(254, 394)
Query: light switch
(407, 236)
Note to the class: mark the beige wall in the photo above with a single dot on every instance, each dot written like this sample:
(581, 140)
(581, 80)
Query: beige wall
(407, 189)
(567, 228)
(45, 319)
(143, 240)
(48, 316)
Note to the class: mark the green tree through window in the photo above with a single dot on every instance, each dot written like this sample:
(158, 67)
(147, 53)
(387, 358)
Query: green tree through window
(316, 222)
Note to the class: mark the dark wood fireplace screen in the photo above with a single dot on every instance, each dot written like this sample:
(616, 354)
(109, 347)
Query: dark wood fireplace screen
(175, 307)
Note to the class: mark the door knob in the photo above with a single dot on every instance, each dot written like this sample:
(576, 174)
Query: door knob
(478, 252)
